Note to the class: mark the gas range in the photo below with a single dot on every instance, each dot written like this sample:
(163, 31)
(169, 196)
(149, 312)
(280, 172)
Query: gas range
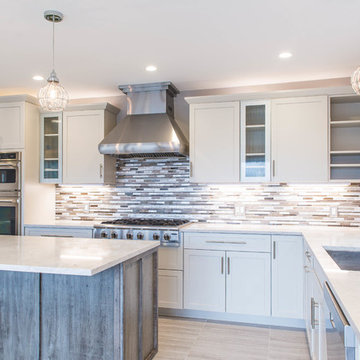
(164, 230)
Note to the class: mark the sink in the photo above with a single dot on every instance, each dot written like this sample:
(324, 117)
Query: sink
(345, 259)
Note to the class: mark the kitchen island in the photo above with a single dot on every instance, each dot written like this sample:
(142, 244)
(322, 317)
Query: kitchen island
(75, 299)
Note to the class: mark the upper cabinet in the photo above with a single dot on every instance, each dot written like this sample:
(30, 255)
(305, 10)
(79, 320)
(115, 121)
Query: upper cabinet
(299, 143)
(345, 138)
(12, 125)
(70, 142)
(255, 141)
(51, 148)
(215, 142)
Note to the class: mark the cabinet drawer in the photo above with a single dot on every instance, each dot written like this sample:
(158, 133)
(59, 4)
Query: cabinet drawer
(58, 232)
(225, 241)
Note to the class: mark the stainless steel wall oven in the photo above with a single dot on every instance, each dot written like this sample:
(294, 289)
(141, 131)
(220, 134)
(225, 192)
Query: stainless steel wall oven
(10, 193)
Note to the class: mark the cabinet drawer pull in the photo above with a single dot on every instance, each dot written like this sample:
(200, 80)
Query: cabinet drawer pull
(274, 250)
(313, 321)
(101, 171)
(307, 254)
(228, 266)
(59, 236)
(226, 242)
(222, 265)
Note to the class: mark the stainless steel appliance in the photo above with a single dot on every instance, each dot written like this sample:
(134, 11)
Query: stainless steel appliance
(340, 338)
(10, 193)
(164, 230)
(149, 129)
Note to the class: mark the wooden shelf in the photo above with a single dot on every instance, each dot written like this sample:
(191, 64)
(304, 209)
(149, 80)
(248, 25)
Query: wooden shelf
(48, 170)
(51, 134)
(51, 159)
(345, 123)
(344, 165)
(255, 166)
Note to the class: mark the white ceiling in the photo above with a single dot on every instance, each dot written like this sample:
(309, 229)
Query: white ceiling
(194, 43)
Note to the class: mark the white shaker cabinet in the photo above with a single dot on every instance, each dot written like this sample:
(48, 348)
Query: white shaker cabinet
(170, 289)
(299, 142)
(83, 130)
(215, 142)
(204, 280)
(248, 283)
(12, 125)
(287, 276)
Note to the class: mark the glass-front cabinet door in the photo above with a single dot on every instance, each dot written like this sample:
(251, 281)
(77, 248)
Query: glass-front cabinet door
(255, 141)
(51, 148)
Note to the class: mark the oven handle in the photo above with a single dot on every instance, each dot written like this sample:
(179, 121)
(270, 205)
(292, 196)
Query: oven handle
(11, 165)
(11, 201)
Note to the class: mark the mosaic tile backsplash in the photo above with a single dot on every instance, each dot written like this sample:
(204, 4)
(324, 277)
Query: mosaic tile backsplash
(161, 188)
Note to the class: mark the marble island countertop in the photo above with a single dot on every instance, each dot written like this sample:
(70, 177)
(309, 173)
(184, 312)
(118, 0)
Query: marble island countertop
(70, 256)
(345, 284)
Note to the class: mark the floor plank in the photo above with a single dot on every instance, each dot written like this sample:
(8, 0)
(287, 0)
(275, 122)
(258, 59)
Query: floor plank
(187, 339)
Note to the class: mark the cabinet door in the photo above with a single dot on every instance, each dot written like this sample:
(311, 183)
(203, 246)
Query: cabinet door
(51, 148)
(214, 142)
(204, 280)
(287, 276)
(170, 289)
(255, 141)
(12, 117)
(248, 283)
(300, 139)
(82, 133)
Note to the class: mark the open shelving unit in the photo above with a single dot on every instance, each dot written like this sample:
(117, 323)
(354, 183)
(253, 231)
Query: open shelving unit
(345, 138)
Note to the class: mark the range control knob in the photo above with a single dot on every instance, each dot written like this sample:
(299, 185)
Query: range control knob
(129, 236)
(167, 237)
(114, 235)
(140, 236)
(156, 236)
(103, 234)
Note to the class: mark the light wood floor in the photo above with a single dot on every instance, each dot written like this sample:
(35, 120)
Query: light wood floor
(182, 339)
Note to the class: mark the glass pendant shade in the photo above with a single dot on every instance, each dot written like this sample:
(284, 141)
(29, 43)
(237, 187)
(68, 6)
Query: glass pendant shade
(53, 96)
(355, 81)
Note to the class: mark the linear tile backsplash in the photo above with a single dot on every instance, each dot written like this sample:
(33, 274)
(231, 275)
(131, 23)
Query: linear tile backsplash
(161, 188)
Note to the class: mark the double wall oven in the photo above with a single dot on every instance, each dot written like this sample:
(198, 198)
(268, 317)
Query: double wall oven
(10, 193)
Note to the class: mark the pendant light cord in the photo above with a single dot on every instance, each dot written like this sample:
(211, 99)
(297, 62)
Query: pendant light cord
(53, 49)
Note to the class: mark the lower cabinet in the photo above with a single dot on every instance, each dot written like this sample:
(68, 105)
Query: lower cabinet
(248, 283)
(287, 276)
(171, 289)
(231, 281)
(315, 311)
(204, 280)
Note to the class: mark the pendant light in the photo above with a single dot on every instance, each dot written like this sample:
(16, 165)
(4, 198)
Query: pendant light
(53, 96)
(355, 81)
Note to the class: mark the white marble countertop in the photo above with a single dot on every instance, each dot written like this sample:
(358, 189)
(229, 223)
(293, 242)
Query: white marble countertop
(70, 256)
(345, 284)
(66, 224)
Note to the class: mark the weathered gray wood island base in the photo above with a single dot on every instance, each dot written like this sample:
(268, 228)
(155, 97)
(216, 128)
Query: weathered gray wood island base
(77, 299)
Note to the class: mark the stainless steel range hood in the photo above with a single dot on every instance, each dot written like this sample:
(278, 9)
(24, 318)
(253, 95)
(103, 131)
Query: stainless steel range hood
(149, 129)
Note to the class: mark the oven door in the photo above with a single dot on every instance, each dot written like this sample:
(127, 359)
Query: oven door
(9, 215)
(9, 176)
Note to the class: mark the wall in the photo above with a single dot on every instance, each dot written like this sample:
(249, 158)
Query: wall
(161, 188)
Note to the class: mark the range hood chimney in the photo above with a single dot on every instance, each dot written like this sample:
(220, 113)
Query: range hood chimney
(149, 129)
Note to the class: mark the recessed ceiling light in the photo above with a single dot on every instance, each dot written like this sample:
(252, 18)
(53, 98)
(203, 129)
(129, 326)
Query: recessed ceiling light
(38, 78)
(151, 68)
(285, 55)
